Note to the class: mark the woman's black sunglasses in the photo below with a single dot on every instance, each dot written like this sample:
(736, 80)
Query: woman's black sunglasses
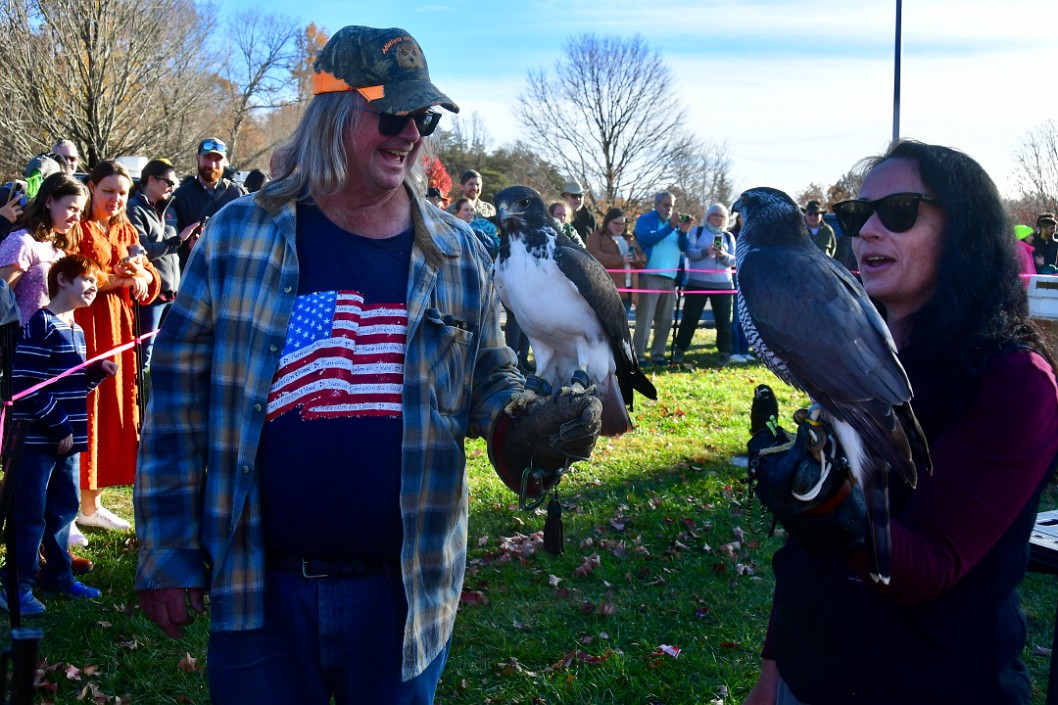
(898, 212)
(390, 125)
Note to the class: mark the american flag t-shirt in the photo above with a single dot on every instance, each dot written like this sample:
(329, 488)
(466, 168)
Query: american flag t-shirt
(342, 358)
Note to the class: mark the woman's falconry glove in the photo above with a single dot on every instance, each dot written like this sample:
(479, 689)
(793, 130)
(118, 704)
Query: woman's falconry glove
(805, 481)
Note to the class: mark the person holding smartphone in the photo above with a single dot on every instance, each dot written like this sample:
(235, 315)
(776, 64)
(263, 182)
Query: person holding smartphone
(47, 231)
(106, 236)
(711, 255)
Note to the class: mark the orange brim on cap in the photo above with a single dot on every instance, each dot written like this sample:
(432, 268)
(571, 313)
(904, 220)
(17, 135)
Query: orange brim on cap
(324, 82)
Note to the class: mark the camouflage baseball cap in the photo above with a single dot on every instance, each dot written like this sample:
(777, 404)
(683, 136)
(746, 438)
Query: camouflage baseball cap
(385, 66)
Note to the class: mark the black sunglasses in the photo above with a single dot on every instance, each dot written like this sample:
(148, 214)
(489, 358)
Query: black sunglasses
(390, 125)
(898, 212)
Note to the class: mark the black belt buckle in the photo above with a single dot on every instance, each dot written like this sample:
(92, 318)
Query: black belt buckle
(311, 576)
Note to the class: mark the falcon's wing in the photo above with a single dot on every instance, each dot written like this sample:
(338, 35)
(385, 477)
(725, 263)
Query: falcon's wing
(594, 284)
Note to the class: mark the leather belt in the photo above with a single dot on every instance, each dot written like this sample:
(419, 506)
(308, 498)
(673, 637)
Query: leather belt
(330, 567)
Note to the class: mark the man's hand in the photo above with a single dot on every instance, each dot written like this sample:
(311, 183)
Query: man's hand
(168, 608)
(805, 481)
(65, 444)
(109, 367)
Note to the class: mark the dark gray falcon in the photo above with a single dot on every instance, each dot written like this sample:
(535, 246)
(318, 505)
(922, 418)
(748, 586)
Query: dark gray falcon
(813, 325)
(568, 307)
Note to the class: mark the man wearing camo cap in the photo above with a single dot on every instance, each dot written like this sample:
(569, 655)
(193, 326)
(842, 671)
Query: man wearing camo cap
(334, 341)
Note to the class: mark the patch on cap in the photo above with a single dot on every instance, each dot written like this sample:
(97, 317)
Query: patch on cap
(386, 66)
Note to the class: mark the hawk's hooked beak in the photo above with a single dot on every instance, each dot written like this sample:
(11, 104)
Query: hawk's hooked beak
(509, 212)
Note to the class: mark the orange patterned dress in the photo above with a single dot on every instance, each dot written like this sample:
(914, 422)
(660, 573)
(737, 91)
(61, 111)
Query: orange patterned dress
(113, 416)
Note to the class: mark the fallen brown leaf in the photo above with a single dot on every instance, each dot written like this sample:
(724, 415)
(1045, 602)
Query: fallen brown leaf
(188, 664)
(473, 598)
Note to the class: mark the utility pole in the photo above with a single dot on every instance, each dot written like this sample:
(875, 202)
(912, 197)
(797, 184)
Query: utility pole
(896, 72)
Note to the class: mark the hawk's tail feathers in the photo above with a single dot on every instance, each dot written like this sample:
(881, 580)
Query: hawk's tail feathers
(642, 384)
(916, 438)
(615, 420)
(876, 491)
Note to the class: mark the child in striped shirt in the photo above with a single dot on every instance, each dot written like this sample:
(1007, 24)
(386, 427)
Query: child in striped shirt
(47, 477)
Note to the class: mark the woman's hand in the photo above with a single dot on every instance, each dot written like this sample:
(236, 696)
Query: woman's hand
(12, 211)
(138, 287)
(189, 231)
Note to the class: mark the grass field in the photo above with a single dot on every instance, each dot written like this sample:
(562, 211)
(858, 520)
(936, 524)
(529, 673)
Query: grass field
(662, 548)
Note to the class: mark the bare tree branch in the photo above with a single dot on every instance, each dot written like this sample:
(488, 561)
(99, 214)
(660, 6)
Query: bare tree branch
(606, 115)
(1038, 158)
(107, 74)
(256, 76)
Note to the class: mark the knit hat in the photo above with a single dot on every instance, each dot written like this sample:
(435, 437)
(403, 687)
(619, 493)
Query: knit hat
(385, 66)
(1022, 231)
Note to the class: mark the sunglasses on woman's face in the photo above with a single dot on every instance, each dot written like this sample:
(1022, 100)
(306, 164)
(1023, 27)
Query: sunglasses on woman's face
(390, 125)
(898, 212)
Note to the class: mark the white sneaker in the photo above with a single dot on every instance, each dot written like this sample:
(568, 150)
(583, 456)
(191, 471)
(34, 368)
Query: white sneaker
(76, 537)
(103, 518)
(741, 359)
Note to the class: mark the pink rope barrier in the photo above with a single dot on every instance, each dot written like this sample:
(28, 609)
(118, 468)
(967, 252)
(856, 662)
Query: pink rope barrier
(673, 291)
(37, 387)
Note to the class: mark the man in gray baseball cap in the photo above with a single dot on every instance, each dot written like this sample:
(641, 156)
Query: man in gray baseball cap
(335, 340)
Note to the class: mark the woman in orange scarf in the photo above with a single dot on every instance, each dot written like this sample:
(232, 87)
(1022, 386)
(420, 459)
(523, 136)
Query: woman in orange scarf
(113, 414)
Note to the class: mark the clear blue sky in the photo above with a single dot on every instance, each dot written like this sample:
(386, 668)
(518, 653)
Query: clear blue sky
(799, 91)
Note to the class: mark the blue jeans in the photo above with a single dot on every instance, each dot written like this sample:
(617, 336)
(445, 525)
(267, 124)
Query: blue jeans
(323, 638)
(151, 319)
(46, 501)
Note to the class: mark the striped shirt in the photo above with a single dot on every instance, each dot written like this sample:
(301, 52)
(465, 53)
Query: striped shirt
(213, 366)
(50, 346)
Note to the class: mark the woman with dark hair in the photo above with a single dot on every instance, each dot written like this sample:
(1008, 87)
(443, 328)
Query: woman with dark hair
(947, 627)
(48, 231)
(148, 211)
(113, 414)
(617, 248)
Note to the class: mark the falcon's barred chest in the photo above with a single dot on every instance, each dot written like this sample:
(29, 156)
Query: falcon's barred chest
(774, 363)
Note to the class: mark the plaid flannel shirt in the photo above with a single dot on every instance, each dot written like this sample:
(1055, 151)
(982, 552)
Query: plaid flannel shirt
(212, 369)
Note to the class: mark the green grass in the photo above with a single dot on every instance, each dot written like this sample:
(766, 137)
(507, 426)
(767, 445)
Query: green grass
(682, 560)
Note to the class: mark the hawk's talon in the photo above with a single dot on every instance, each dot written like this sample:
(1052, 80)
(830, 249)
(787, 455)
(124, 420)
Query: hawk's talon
(535, 388)
(521, 401)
